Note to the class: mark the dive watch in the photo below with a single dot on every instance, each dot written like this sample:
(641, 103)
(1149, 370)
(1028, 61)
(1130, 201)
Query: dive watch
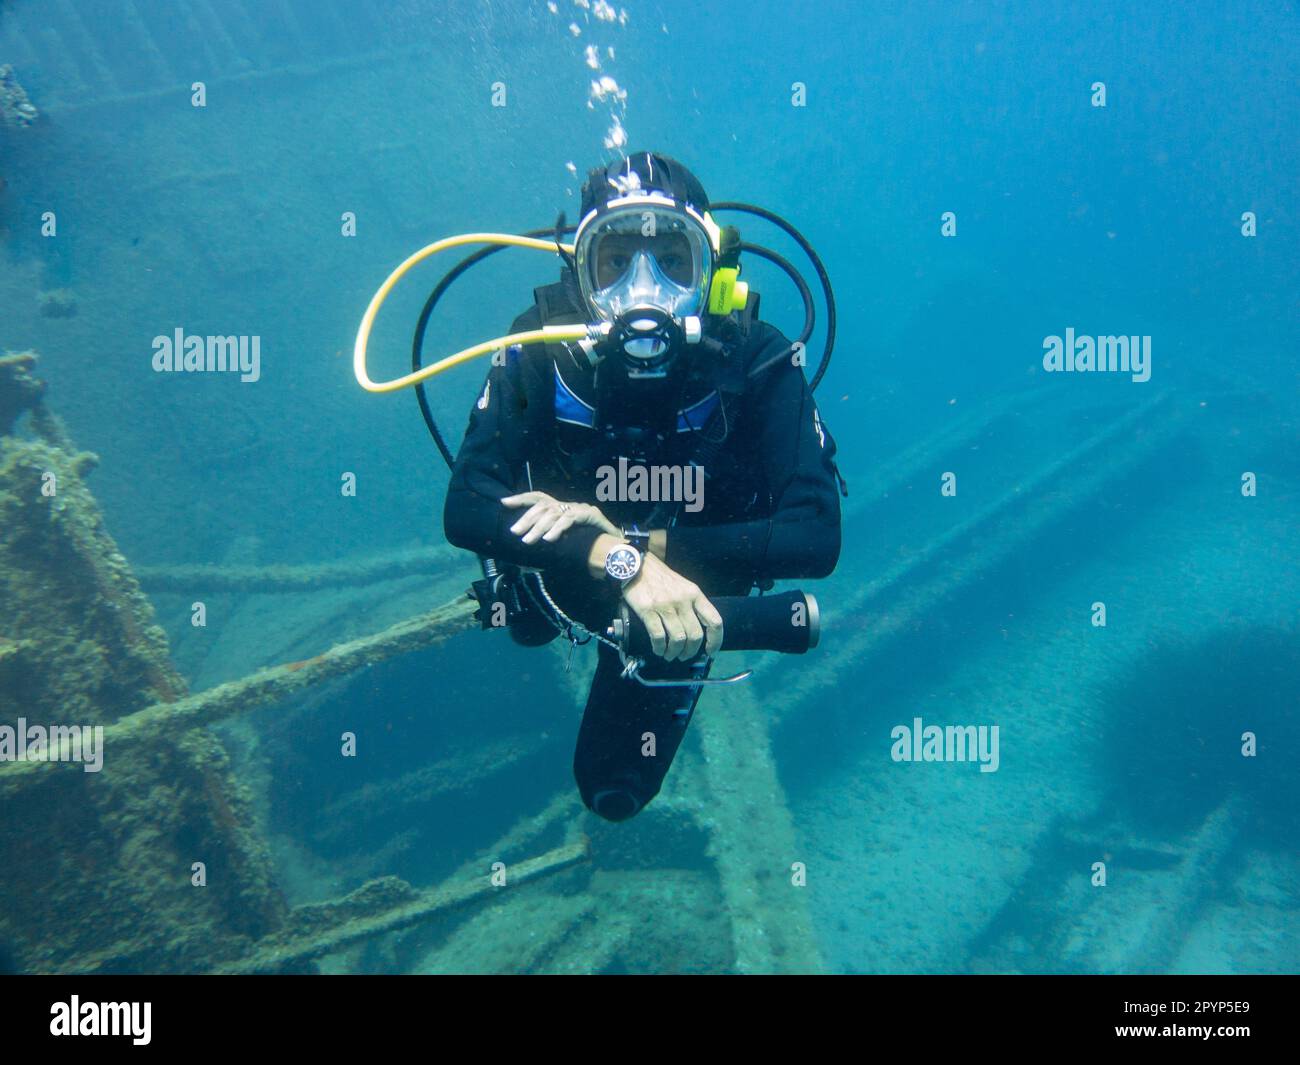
(622, 564)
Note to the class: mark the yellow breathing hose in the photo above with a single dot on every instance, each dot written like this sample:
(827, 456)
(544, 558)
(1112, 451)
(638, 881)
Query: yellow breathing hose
(545, 335)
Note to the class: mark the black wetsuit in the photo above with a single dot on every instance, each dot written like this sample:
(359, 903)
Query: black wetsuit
(770, 510)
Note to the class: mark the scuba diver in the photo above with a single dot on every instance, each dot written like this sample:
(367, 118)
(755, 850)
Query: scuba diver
(644, 448)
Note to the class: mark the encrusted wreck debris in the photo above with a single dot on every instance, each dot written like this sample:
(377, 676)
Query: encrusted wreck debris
(383, 906)
(98, 871)
(97, 866)
(15, 107)
(1135, 929)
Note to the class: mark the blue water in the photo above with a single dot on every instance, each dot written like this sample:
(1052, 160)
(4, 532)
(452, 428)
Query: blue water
(1120, 744)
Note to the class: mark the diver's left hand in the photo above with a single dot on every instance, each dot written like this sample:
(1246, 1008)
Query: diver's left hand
(546, 517)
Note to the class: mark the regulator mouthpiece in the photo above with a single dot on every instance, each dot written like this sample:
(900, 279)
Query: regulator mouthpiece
(646, 339)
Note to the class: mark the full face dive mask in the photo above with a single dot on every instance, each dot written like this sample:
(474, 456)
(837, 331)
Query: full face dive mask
(644, 250)
(643, 265)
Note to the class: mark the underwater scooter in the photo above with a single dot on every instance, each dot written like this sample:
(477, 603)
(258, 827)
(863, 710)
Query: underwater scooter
(639, 338)
(789, 623)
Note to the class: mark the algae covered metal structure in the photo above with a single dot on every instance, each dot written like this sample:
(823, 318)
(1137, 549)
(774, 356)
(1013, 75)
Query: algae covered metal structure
(16, 108)
(97, 864)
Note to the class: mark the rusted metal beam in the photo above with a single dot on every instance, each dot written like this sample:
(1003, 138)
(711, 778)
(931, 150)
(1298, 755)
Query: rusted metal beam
(264, 687)
(186, 579)
(272, 956)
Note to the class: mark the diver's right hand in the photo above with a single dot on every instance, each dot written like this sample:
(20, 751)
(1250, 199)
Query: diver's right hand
(547, 517)
(676, 614)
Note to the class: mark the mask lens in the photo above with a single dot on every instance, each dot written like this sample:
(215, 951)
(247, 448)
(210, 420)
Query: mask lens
(661, 235)
(671, 251)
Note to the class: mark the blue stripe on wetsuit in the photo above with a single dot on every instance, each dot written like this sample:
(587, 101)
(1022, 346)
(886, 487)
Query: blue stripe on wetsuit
(569, 407)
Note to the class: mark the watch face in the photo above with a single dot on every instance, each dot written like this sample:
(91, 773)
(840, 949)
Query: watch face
(623, 563)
